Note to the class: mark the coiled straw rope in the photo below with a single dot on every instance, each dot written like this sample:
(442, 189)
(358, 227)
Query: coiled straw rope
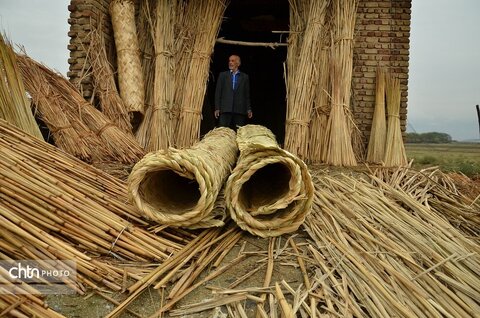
(178, 187)
(270, 191)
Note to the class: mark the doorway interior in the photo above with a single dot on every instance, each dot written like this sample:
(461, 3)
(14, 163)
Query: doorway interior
(253, 21)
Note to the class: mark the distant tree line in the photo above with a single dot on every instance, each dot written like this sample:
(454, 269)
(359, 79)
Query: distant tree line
(428, 138)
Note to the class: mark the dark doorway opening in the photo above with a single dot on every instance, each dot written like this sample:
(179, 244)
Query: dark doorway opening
(254, 21)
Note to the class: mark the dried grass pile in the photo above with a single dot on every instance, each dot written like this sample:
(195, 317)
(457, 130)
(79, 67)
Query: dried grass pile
(62, 107)
(180, 187)
(14, 103)
(301, 88)
(338, 149)
(378, 134)
(270, 191)
(130, 77)
(395, 155)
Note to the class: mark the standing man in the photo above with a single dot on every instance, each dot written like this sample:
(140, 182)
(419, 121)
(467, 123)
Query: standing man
(232, 96)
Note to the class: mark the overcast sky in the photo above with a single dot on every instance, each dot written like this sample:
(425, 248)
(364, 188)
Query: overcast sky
(444, 83)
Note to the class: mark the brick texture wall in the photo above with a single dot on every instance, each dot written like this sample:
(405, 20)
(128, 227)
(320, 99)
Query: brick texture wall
(382, 36)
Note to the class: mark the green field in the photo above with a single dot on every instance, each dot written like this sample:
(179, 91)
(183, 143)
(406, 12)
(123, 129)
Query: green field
(458, 157)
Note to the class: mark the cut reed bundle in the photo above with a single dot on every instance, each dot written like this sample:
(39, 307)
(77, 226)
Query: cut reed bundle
(111, 105)
(321, 105)
(130, 78)
(103, 137)
(270, 190)
(302, 88)
(338, 146)
(180, 187)
(378, 133)
(24, 306)
(14, 104)
(203, 18)
(395, 154)
(163, 112)
(72, 200)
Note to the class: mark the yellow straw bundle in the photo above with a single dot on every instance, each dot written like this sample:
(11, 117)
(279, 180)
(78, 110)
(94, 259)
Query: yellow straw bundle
(270, 191)
(378, 134)
(180, 187)
(14, 104)
(338, 145)
(206, 16)
(302, 86)
(130, 78)
(395, 154)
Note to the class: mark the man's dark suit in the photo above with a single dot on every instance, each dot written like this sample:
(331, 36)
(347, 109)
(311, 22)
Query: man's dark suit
(232, 103)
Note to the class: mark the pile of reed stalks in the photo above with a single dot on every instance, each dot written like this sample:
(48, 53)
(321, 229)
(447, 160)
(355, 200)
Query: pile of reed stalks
(270, 190)
(203, 19)
(180, 187)
(378, 133)
(14, 103)
(304, 77)
(71, 201)
(56, 96)
(381, 252)
(338, 149)
(111, 105)
(395, 154)
(25, 306)
(130, 77)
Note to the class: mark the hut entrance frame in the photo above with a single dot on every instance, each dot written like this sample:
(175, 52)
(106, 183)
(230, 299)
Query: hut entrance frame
(247, 25)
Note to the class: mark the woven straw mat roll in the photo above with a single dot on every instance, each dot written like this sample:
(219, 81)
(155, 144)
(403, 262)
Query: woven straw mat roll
(270, 191)
(180, 187)
(130, 77)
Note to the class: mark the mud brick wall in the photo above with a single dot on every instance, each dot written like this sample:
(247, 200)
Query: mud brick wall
(84, 14)
(382, 37)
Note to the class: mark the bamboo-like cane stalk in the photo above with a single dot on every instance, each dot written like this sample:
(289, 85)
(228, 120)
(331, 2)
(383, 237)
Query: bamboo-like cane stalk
(130, 78)
(378, 134)
(14, 104)
(395, 154)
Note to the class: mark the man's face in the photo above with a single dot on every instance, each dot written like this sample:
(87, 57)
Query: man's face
(233, 63)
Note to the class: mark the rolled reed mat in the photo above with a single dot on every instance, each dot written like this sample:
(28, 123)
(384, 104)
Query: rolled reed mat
(130, 76)
(270, 191)
(179, 187)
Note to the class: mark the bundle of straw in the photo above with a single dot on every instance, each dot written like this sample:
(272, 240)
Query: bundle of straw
(25, 306)
(270, 190)
(130, 78)
(304, 73)
(14, 104)
(321, 105)
(395, 154)
(338, 146)
(68, 132)
(378, 134)
(111, 105)
(204, 18)
(163, 113)
(106, 139)
(179, 187)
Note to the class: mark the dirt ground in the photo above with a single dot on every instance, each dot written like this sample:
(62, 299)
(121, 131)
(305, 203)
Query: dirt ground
(285, 268)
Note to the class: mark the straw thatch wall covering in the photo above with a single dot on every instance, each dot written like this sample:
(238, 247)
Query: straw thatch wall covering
(382, 33)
